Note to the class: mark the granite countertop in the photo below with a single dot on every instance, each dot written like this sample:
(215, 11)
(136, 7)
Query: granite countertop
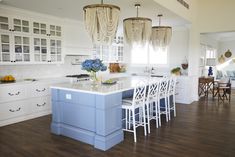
(123, 84)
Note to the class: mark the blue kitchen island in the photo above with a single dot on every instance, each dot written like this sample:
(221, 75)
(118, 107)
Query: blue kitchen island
(90, 113)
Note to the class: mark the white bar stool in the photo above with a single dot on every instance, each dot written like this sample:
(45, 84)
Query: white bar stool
(171, 92)
(131, 113)
(152, 102)
(163, 94)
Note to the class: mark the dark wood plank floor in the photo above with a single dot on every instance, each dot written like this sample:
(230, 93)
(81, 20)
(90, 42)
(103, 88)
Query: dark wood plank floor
(202, 129)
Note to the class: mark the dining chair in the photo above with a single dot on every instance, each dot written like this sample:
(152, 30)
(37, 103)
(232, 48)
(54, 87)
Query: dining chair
(222, 88)
(135, 109)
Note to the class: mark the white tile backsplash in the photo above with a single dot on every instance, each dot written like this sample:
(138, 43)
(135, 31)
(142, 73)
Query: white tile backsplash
(42, 70)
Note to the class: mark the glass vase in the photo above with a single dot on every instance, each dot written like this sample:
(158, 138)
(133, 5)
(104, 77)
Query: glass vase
(94, 78)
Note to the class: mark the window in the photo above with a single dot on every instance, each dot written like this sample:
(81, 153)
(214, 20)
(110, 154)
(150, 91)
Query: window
(144, 56)
(210, 52)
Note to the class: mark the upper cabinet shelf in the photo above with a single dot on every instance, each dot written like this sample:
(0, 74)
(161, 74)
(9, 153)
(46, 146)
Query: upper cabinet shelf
(28, 41)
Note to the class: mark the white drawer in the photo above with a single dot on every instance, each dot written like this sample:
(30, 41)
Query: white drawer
(38, 90)
(14, 109)
(41, 104)
(11, 93)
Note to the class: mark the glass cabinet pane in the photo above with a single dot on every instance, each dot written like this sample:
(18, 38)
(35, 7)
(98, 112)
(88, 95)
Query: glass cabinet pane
(6, 57)
(43, 26)
(52, 33)
(3, 19)
(26, 57)
(17, 21)
(18, 49)
(5, 48)
(26, 29)
(58, 28)
(52, 27)
(25, 23)
(36, 31)
(17, 28)
(18, 40)
(36, 41)
(26, 40)
(5, 39)
(43, 31)
(4, 26)
(26, 49)
(44, 50)
(36, 25)
(58, 34)
(43, 42)
(52, 42)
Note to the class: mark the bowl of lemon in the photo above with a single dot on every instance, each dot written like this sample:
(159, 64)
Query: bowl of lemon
(8, 79)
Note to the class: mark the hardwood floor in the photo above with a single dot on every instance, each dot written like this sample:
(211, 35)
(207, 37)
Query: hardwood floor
(202, 129)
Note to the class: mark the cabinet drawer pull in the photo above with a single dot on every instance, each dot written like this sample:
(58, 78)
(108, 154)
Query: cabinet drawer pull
(43, 90)
(41, 105)
(15, 110)
(11, 94)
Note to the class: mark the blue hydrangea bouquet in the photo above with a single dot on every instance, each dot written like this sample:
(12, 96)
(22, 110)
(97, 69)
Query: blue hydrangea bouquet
(92, 66)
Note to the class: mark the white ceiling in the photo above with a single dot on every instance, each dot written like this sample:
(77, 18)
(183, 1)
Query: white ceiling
(72, 9)
(221, 36)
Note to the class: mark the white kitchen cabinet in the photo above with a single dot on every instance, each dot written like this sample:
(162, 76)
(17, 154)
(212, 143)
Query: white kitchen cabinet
(12, 93)
(47, 42)
(183, 89)
(110, 53)
(29, 41)
(39, 90)
(15, 40)
(14, 109)
(40, 104)
(22, 101)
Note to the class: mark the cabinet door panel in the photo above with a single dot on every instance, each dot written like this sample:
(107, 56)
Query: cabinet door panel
(39, 90)
(4, 23)
(10, 93)
(5, 48)
(14, 109)
(41, 104)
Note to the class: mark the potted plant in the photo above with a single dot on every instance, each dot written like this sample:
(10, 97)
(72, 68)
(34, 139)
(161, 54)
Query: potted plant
(93, 66)
(176, 71)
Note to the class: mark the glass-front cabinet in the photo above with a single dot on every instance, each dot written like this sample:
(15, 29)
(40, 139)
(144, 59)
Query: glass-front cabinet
(5, 48)
(21, 49)
(28, 41)
(111, 53)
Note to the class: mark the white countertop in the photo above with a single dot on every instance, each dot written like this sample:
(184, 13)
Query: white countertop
(40, 80)
(123, 84)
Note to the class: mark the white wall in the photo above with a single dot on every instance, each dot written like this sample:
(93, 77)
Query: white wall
(225, 45)
(40, 70)
(216, 15)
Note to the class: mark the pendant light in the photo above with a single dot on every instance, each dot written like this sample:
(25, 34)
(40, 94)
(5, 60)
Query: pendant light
(161, 35)
(137, 30)
(101, 22)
